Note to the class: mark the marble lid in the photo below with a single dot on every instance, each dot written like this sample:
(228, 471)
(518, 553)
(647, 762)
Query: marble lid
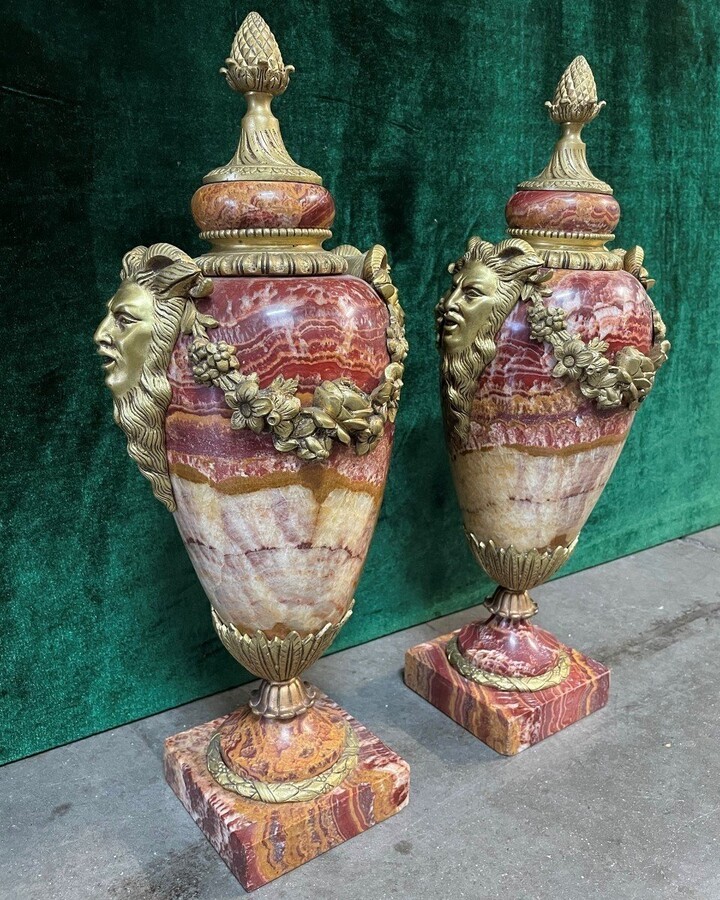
(263, 213)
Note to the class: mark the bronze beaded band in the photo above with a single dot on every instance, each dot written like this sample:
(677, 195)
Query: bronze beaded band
(556, 235)
(582, 260)
(570, 249)
(276, 263)
(262, 234)
(270, 251)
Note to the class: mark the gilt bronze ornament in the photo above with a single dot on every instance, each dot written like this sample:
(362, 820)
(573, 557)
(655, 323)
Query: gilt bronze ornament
(549, 343)
(258, 386)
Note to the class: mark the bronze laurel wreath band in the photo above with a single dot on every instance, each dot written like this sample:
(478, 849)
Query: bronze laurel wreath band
(284, 791)
(555, 676)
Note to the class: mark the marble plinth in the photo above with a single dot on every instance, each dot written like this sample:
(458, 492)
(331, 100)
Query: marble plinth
(507, 721)
(261, 841)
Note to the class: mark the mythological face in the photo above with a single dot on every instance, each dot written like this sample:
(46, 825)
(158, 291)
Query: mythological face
(123, 337)
(468, 305)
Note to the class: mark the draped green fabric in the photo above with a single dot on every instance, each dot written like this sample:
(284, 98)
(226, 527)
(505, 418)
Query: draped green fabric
(421, 117)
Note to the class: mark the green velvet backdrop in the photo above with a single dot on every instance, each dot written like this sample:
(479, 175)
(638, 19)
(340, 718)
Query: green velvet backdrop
(421, 116)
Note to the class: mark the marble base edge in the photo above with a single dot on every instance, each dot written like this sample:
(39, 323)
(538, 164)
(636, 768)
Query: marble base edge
(261, 841)
(507, 721)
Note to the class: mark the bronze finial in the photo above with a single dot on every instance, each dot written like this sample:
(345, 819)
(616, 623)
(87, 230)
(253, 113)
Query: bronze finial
(574, 104)
(575, 98)
(255, 62)
(255, 69)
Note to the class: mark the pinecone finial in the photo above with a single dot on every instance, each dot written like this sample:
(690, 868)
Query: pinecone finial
(255, 69)
(575, 98)
(573, 105)
(255, 62)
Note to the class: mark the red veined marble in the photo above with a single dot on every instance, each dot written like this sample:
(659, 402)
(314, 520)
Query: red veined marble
(539, 454)
(261, 841)
(277, 542)
(569, 211)
(507, 721)
(273, 750)
(509, 648)
(262, 204)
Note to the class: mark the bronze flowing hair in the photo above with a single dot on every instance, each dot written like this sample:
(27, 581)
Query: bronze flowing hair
(174, 280)
(515, 263)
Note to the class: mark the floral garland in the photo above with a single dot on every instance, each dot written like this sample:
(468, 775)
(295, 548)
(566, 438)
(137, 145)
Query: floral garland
(624, 382)
(339, 411)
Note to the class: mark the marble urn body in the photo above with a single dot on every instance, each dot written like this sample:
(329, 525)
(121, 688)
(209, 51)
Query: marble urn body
(539, 453)
(278, 542)
(549, 343)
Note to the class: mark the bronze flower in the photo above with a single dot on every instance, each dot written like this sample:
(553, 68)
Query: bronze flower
(304, 439)
(542, 328)
(285, 406)
(386, 395)
(636, 373)
(341, 408)
(210, 360)
(572, 357)
(367, 439)
(250, 405)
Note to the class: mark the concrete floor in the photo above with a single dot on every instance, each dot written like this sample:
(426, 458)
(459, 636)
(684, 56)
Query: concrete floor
(625, 804)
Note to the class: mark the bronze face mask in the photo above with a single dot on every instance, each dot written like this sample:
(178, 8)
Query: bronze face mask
(124, 337)
(468, 305)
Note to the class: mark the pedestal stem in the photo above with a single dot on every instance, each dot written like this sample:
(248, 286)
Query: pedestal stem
(509, 604)
(282, 699)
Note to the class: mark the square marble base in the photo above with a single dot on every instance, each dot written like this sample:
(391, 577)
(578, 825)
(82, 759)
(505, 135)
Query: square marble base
(507, 721)
(260, 841)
